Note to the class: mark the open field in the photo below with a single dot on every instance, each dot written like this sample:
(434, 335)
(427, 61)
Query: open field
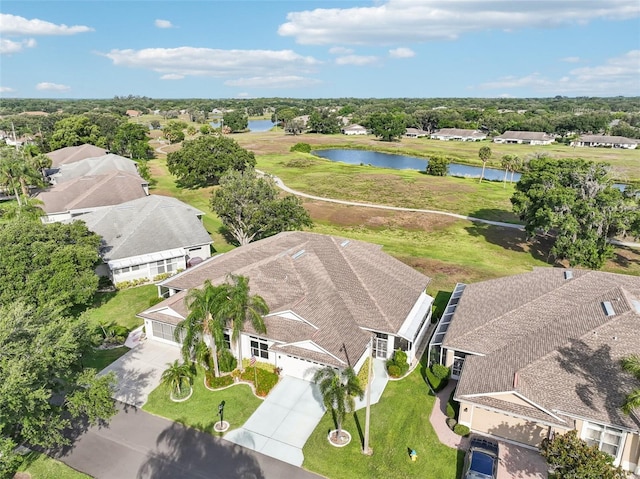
(41, 466)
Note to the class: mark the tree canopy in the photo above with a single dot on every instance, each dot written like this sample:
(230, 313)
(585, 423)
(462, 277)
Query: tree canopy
(388, 126)
(42, 383)
(324, 122)
(250, 207)
(203, 161)
(235, 120)
(50, 264)
(576, 202)
(631, 364)
(131, 140)
(569, 457)
(76, 130)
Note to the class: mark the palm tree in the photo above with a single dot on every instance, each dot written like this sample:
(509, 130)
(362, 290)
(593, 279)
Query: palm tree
(241, 307)
(202, 322)
(176, 376)
(338, 390)
(507, 164)
(484, 154)
(631, 364)
(516, 164)
(9, 172)
(29, 209)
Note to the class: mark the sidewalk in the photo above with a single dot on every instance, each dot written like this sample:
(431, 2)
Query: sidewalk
(380, 380)
(438, 419)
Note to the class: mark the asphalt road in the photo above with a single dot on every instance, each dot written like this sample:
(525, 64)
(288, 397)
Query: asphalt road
(136, 444)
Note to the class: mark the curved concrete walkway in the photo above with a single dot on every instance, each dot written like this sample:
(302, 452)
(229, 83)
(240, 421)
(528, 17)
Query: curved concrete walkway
(284, 187)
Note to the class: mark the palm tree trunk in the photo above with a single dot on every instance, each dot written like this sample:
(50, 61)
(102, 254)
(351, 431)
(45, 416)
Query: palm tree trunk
(15, 190)
(504, 180)
(482, 174)
(214, 355)
(239, 342)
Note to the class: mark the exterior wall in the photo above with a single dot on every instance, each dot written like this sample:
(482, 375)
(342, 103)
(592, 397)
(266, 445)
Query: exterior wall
(56, 217)
(203, 251)
(508, 427)
(143, 271)
(630, 459)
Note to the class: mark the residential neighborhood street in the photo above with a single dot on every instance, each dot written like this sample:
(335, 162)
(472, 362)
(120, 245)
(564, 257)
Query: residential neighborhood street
(136, 444)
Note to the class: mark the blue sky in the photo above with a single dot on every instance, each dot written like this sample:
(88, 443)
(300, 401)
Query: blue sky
(319, 49)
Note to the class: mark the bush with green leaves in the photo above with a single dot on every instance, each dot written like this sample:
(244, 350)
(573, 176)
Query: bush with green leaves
(398, 366)
(301, 147)
(226, 361)
(265, 380)
(394, 370)
(461, 430)
(363, 374)
(438, 166)
(214, 382)
(440, 371)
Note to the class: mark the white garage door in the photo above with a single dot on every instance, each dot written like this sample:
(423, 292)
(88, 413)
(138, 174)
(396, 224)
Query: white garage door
(297, 368)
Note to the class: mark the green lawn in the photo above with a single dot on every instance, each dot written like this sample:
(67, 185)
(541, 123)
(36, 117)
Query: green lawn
(101, 358)
(399, 423)
(201, 410)
(121, 307)
(41, 466)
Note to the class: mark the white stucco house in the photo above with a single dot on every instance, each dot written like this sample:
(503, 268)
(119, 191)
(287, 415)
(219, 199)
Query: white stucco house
(458, 134)
(525, 138)
(354, 130)
(605, 141)
(328, 297)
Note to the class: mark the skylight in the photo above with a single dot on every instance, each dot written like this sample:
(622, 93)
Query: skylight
(345, 243)
(298, 254)
(568, 274)
(608, 308)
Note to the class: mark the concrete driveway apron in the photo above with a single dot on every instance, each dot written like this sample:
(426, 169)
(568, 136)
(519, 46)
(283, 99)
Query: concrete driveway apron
(282, 424)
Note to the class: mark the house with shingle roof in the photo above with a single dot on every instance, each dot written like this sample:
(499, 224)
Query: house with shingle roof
(458, 134)
(327, 297)
(539, 353)
(525, 138)
(605, 141)
(147, 237)
(71, 154)
(87, 193)
(94, 166)
(354, 130)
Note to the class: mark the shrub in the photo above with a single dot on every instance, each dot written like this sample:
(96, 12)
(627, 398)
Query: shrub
(266, 380)
(301, 147)
(461, 430)
(438, 166)
(363, 374)
(226, 361)
(436, 384)
(394, 370)
(132, 283)
(440, 371)
(453, 407)
(156, 300)
(451, 412)
(451, 423)
(246, 364)
(217, 382)
(161, 276)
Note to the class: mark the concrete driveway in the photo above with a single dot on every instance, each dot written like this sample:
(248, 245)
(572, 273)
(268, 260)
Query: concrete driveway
(139, 370)
(518, 462)
(282, 424)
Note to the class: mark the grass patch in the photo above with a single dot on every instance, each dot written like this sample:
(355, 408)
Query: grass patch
(200, 411)
(99, 359)
(121, 307)
(41, 466)
(399, 422)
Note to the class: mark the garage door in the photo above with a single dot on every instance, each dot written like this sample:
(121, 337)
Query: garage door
(298, 368)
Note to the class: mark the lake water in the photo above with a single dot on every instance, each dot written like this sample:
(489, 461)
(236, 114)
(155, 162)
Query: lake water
(402, 162)
(256, 126)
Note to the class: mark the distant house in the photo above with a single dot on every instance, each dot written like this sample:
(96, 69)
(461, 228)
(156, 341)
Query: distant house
(328, 297)
(133, 113)
(539, 353)
(458, 134)
(148, 236)
(604, 141)
(354, 130)
(303, 120)
(525, 138)
(91, 167)
(71, 154)
(415, 133)
(87, 193)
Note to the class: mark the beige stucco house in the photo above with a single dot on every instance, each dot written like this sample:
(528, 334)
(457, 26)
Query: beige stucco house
(539, 353)
(605, 141)
(328, 297)
(525, 138)
(458, 134)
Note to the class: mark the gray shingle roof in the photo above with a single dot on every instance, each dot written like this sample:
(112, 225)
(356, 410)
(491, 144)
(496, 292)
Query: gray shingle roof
(339, 286)
(93, 167)
(549, 339)
(608, 139)
(459, 132)
(146, 225)
(526, 135)
(93, 192)
(72, 154)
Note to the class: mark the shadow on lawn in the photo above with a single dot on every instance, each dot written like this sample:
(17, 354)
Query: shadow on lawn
(626, 257)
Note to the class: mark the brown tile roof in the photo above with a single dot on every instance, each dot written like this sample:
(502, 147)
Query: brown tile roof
(92, 192)
(338, 286)
(549, 339)
(71, 154)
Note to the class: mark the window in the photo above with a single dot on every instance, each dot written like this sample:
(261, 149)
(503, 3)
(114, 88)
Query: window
(227, 341)
(605, 438)
(164, 266)
(259, 348)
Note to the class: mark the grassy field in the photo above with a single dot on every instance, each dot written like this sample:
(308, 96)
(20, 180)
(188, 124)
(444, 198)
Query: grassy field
(41, 466)
(201, 409)
(399, 423)
(101, 358)
(121, 307)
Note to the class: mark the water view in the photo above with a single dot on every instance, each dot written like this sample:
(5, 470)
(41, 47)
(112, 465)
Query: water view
(256, 126)
(402, 162)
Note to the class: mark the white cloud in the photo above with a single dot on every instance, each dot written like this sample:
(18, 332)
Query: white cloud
(172, 76)
(191, 61)
(340, 51)
(284, 81)
(6, 89)
(398, 21)
(9, 46)
(358, 60)
(402, 52)
(163, 24)
(570, 59)
(244, 94)
(617, 76)
(46, 86)
(15, 25)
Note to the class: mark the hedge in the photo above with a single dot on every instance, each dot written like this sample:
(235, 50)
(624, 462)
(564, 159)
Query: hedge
(266, 379)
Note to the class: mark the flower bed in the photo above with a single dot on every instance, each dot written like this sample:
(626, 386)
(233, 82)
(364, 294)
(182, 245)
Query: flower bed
(266, 380)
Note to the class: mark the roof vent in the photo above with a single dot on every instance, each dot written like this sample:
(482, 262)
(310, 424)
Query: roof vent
(298, 254)
(345, 243)
(568, 274)
(608, 308)
(636, 305)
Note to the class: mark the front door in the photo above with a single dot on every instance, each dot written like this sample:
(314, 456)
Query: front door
(380, 348)
(456, 368)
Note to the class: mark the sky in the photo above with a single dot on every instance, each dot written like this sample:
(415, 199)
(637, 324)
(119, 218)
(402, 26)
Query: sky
(319, 49)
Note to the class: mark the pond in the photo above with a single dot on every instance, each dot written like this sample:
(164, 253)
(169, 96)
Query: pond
(256, 126)
(402, 162)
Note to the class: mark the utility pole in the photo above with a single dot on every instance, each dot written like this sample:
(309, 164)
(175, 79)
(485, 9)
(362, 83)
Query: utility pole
(366, 449)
